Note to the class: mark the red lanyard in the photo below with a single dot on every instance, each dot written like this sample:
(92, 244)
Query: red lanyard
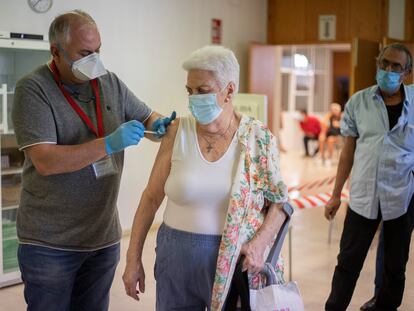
(75, 106)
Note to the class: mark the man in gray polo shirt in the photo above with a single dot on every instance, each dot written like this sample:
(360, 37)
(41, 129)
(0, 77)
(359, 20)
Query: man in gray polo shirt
(73, 119)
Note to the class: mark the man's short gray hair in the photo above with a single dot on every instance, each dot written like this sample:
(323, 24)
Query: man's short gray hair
(59, 30)
(219, 60)
(400, 47)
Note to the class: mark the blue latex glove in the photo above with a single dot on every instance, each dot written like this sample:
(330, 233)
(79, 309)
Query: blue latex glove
(129, 133)
(160, 125)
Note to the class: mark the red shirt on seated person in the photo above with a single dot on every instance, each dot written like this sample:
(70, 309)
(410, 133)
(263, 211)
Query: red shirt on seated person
(311, 127)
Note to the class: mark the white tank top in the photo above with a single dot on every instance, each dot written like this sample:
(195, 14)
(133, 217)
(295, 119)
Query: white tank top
(198, 191)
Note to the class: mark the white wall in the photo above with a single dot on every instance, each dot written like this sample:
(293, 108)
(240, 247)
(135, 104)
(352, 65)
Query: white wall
(145, 42)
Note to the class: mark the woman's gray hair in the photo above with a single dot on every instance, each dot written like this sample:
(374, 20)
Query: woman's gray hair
(219, 60)
(59, 30)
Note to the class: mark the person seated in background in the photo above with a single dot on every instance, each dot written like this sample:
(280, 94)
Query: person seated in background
(311, 128)
(220, 171)
(330, 132)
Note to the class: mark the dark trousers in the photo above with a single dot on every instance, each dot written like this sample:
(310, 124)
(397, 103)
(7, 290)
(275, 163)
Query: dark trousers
(355, 242)
(306, 140)
(379, 263)
(58, 280)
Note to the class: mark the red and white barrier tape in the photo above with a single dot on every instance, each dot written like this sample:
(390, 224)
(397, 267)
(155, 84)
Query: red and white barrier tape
(314, 184)
(316, 200)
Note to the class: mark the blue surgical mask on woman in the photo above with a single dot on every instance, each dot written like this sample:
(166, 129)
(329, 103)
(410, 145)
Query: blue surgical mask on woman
(204, 107)
(388, 81)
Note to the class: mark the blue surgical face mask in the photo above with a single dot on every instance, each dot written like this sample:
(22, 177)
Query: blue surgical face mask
(388, 81)
(204, 107)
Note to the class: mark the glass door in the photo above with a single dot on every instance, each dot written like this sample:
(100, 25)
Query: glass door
(17, 58)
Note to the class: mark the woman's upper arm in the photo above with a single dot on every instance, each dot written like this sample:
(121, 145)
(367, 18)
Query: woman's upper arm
(162, 165)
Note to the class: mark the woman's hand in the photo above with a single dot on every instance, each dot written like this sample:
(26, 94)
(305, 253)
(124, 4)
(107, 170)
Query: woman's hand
(133, 277)
(255, 248)
(253, 252)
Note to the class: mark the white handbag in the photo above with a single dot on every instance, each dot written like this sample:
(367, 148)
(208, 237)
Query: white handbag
(277, 295)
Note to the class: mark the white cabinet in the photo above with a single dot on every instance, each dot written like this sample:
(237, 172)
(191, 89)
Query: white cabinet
(17, 58)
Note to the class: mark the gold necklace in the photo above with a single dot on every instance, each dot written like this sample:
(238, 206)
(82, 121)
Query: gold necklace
(210, 145)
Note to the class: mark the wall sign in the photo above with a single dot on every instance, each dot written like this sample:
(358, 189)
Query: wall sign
(216, 31)
(327, 27)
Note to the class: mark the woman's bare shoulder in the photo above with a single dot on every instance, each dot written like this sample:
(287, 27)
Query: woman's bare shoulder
(172, 129)
(168, 139)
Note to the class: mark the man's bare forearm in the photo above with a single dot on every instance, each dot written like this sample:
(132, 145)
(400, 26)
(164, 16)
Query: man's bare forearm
(50, 159)
(346, 162)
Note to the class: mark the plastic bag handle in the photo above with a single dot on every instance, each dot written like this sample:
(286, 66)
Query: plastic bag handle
(268, 269)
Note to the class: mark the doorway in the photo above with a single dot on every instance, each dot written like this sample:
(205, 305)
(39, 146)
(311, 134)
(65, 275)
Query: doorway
(305, 77)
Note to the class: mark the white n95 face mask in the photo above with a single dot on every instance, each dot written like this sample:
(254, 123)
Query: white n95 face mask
(88, 68)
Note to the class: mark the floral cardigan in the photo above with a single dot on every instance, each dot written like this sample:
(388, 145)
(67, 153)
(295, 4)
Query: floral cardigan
(257, 178)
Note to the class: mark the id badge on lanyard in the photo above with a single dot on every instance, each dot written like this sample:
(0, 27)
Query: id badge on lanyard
(106, 166)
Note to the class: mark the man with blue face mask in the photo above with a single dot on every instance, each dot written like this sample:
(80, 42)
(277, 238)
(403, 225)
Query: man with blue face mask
(378, 126)
(73, 119)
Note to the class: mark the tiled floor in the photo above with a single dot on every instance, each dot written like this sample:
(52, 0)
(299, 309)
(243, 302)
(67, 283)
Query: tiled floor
(313, 258)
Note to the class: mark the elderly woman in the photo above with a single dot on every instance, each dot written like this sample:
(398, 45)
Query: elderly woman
(220, 172)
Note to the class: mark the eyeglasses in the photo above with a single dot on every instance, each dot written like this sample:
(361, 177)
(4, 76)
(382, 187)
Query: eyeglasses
(395, 67)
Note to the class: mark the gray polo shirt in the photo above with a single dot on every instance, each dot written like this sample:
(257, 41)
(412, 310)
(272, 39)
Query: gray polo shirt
(72, 211)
